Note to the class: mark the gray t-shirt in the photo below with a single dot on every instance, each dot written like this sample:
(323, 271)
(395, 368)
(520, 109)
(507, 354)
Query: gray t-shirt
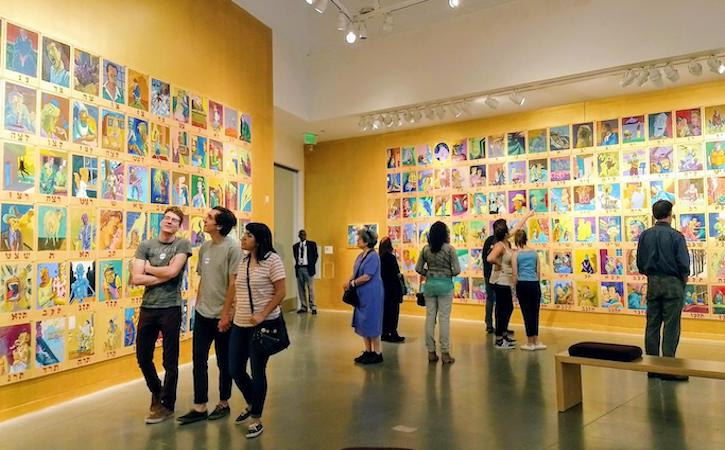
(217, 262)
(160, 254)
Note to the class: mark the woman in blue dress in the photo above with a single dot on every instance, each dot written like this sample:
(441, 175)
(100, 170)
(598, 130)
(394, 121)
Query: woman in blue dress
(367, 318)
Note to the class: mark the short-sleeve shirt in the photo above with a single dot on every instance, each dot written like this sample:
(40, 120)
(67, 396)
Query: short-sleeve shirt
(217, 262)
(160, 254)
(262, 277)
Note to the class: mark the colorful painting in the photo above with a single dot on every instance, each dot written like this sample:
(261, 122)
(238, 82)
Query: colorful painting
(538, 232)
(517, 201)
(538, 170)
(537, 140)
(636, 296)
(584, 166)
(180, 105)
(478, 204)
(19, 164)
(632, 129)
(608, 164)
(587, 294)
(459, 178)
(410, 234)
(634, 162)
(110, 230)
(690, 158)
(716, 191)
(216, 117)
(696, 299)
(560, 138)
(661, 160)
(560, 168)
(160, 137)
(17, 280)
(611, 295)
(717, 227)
(138, 136)
(496, 146)
(231, 117)
(114, 82)
(231, 195)
(424, 154)
(56, 62)
(199, 111)
(563, 292)
(608, 132)
(21, 50)
(497, 174)
(245, 197)
(199, 192)
(634, 196)
(138, 90)
(584, 198)
(138, 184)
(459, 151)
(112, 180)
(459, 204)
(20, 108)
(539, 200)
(583, 135)
(113, 130)
(634, 226)
(81, 335)
(609, 196)
(160, 186)
(52, 228)
(562, 230)
(691, 191)
(688, 123)
(82, 282)
(610, 229)
(585, 229)
(715, 155)
(85, 124)
(442, 152)
(135, 229)
(160, 98)
(660, 125)
(517, 172)
(516, 143)
(713, 119)
(83, 229)
(15, 349)
(409, 181)
(52, 282)
(216, 157)
(561, 200)
(54, 117)
(246, 129)
(476, 148)
(85, 176)
(199, 156)
(393, 182)
(130, 324)
(442, 206)
(49, 342)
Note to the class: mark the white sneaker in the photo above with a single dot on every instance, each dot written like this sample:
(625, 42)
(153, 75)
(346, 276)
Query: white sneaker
(504, 344)
(528, 347)
(539, 346)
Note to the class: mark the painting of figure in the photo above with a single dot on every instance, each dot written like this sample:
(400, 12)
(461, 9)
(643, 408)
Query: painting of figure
(21, 50)
(86, 70)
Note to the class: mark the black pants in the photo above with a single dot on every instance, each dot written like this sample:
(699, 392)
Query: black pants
(391, 312)
(167, 321)
(254, 387)
(529, 294)
(206, 331)
(504, 308)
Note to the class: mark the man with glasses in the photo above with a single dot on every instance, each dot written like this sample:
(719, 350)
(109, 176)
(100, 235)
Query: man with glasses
(159, 265)
(218, 262)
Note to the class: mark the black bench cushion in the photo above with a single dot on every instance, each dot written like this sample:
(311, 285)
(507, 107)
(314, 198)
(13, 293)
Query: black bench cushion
(603, 350)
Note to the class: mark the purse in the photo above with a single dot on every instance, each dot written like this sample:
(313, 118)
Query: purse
(403, 287)
(269, 337)
(420, 299)
(350, 295)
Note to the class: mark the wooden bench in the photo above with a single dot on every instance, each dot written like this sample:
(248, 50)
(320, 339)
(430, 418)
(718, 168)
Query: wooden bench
(569, 374)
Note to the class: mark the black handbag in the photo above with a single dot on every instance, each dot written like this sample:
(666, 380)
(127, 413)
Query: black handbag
(420, 299)
(269, 337)
(403, 287)
(350, 295)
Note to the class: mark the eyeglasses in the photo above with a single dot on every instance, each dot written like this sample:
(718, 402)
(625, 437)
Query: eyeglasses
(172, 219)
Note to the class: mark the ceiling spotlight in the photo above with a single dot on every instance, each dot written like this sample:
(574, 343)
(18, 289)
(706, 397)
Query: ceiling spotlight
(388, 120)
(695, 68)
(351, 35)
(321, 6)
(407, 116)
(440, 111)
(417, 114)
(430, 113)
(517, 99)
(642, 77)
(628, 77)
(671, 73)
(341, 21)
(309, 2)
(454, 3)
(388, 23)
(491, 102)
(655, 76)
(363, 31)
(716, 65)
(363, 124)
(377, 122)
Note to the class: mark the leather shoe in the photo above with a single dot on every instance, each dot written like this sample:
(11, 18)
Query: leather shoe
(301, 311)
(668, 377)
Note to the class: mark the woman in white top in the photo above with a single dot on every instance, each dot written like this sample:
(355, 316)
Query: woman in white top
(265, 271)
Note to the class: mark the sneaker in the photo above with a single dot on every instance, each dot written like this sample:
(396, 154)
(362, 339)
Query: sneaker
(528, 347)
(314, 312)
(219, 412)
(155, 403)
(503, 343)
(396, 339)
(254, 430)
(301, 311)
(490, 330)
(373, 358)
(192, 416)
(509, 339)
(158, 415)
(363, 356)
(539, 346)
(243, 416)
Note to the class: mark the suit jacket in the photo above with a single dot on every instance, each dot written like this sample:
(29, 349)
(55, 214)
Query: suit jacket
(310, 251)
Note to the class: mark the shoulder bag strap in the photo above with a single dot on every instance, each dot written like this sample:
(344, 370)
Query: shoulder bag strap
(357, 272)
(249, 284)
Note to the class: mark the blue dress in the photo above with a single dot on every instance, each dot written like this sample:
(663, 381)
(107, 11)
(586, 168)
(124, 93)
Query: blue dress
(367, 318)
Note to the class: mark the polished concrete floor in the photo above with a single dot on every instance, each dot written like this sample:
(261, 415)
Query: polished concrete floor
(318, 399)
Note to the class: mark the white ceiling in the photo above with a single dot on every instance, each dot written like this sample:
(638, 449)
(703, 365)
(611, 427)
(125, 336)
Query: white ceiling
(323, 85)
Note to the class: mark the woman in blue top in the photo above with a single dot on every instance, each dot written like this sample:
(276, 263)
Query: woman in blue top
(367, 318)
(526, 273)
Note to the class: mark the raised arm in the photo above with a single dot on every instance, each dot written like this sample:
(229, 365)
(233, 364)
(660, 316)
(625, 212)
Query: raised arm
(522, 222)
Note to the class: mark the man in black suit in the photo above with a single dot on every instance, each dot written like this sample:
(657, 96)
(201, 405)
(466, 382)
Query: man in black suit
(305, 253)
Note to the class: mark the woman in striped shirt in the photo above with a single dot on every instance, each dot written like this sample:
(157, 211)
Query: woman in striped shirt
(265, 271)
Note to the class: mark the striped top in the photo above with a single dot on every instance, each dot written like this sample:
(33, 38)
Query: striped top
(262, 277)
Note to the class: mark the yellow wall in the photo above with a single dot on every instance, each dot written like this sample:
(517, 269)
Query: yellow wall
(212, 47)
(345, 183)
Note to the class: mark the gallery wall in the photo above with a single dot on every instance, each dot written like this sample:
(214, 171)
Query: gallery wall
(213, 51)
(351, 178)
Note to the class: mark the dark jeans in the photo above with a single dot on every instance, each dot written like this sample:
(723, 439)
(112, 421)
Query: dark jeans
(504, 308)
(254, 387)
(529, 295)
(206, 331)
(665, 299)
(490, 302)
(167, 321)
(391, 313)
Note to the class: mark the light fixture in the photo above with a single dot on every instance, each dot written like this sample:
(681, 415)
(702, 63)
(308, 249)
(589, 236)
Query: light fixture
(341, 21)
(430, 113)
(388, 119)
(363, 31)
(628, 77)
(377, 122)
(642, 77)
(517, 99)
(321, 6)
(695, 68)
(407, 116)
(388, 23)
(351, 35)
(655, 76)
(417, 114)
(309, 2)
(363, 124)
(671, 73)
(440, 111)
(491, 102)
(716, 65)
(454, 3)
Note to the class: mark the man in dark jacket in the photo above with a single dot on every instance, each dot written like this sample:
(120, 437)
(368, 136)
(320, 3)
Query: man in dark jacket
(662, 256)
(490, 295)
(305, 253)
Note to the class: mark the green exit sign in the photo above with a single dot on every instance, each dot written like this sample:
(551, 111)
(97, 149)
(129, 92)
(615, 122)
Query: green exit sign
(310, 138)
